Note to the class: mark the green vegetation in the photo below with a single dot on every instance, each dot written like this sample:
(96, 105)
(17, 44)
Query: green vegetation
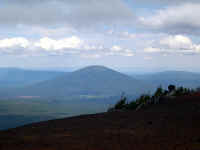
(121, 104)
(146, 99)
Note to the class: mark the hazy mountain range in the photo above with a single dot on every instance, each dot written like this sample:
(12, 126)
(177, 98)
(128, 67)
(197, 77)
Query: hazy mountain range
(178, 78)
(89, 82)
(14, 77)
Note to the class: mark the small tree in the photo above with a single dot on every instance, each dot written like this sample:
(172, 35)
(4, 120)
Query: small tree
(171, 88)
(180, 91)
(165, 92)
(132, 105)
(143, 99)
(122, 103)
(159, 92)
(183, 91)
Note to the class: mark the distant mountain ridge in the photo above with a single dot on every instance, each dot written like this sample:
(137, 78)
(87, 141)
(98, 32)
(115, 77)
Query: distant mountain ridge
(89, 81)
(14, 77)
(92, 82)
(179, 78)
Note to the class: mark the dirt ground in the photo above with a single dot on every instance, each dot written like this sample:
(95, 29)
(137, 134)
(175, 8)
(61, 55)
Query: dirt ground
(172, 125)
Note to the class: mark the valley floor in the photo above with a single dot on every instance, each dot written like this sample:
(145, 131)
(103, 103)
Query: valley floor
(171, 125)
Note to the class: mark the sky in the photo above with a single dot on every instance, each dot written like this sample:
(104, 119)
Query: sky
(137, 35)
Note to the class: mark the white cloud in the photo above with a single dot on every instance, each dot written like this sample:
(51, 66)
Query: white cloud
(174, 44)
(14, 42)
(93, 47)
(152, 50)
(177, 42)
(116, 48)
(128, 52)
(197, 48)
(51, 44)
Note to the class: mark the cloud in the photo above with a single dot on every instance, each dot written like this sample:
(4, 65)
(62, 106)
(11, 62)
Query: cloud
(177, 42)
(174, 44)
(123, 35)
(51, 44)
(14, 42)
(43, 46)
(117, 50)
(152, 50)
(76, 13)
(73, 45)
(164, 2)
(88, 47)
(178, 19)
(128, 53)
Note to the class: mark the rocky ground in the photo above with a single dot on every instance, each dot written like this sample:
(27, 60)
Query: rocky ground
(172, 125)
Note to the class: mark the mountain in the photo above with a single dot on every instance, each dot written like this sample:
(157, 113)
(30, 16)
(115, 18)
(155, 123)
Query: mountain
(178, 78)
(14, 77)
(90, 81)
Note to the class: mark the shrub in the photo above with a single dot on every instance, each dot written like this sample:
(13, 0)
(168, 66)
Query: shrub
(147, 99)
(165, 92)
(171, 88)
(132, 105)
(183, 91)
(143, 99)
(159, 92)
(179, 91)
(121, 104)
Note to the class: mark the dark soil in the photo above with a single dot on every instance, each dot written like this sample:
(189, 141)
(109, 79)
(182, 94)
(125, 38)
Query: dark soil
(172, 125)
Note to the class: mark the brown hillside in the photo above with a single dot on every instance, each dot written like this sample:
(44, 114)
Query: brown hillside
(172, 125)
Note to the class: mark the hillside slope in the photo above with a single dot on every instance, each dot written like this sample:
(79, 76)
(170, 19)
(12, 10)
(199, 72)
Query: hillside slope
(172, 125)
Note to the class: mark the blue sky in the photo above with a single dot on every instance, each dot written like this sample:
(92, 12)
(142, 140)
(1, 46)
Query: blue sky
(136, 35)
